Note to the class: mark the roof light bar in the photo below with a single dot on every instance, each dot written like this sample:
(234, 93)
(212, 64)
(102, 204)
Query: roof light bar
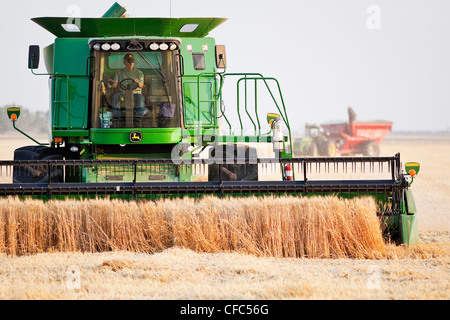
(122, 46)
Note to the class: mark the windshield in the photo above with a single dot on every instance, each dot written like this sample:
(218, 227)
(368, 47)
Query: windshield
(135, 90)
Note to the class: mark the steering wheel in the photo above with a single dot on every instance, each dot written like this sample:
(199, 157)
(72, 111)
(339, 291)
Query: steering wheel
(128, 84)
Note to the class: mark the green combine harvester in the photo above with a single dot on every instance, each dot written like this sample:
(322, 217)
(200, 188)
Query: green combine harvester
(137, 112)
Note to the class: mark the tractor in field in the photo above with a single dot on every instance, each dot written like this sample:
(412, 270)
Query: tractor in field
(343, 138)
(137, 112)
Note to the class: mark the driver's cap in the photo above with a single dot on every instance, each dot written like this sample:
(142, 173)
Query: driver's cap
(128, 58)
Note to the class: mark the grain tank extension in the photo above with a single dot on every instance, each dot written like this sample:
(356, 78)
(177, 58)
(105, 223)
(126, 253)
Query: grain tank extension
(137, 112)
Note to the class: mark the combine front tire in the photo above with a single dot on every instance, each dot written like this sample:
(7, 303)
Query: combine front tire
(37, 173)
(235, 172)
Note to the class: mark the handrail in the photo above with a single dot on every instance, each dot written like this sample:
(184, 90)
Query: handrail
(280, 104)
(246, 104)
(264, 79)
(58, 76)
(67, 101)
(255, 77)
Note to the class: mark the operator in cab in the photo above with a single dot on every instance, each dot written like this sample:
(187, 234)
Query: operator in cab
(128, 78)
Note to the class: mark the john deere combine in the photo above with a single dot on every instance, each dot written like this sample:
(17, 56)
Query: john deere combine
(137, 112)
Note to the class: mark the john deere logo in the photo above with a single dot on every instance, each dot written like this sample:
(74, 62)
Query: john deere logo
(136, 137)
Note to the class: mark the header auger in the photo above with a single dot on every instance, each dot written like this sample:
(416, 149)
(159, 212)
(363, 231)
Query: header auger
(137, 112)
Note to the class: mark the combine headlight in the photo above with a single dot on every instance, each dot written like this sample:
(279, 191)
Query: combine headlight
(97, 47)
(154, 46)
(115, 46)
(163, 46)
(173, 47)
(74, 149)
(106, 47)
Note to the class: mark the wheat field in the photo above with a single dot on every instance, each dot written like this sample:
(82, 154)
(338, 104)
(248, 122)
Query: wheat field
(127, 250)
(281, 227)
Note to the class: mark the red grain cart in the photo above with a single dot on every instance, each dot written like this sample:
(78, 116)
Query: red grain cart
(355, 137)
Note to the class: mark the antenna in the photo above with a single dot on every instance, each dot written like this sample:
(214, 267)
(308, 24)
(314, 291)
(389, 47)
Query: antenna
(170, 16)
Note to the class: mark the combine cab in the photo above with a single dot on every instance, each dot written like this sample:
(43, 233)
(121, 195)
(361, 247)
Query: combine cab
(137, 112)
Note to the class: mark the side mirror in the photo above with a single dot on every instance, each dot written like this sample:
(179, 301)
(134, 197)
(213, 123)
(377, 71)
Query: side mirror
(33, 57)
(13, 113)
(221, 57)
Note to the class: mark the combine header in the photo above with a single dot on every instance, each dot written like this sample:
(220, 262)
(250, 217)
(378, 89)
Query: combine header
(137, 112)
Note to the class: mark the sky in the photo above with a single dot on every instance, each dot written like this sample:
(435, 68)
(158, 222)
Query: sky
(387, 59)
